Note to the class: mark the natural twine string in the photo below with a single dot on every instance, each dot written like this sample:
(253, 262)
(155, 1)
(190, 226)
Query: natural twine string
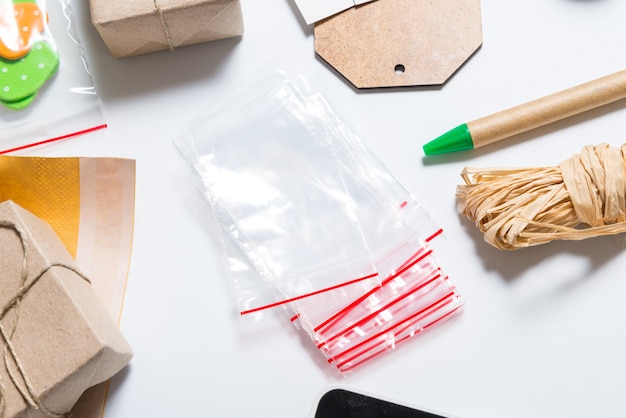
(158, 10)
(10, 355)
(581, 198)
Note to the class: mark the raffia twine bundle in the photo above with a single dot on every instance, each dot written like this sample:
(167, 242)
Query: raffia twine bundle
(583, 197)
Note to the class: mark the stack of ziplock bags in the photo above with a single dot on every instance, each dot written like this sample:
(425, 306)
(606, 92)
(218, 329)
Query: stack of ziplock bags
(313, 224)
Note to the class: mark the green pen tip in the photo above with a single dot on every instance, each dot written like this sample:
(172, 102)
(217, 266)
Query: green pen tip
(457, 139)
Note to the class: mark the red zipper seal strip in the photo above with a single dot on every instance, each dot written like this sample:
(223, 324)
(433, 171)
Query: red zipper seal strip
(55, 139)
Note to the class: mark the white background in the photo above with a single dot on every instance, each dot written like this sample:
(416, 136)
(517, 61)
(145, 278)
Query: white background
(543, 331)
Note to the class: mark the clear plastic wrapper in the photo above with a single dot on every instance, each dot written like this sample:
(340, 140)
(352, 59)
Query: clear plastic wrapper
(277, 191)
(46, 90)
(411, 299)
(351, 327)
(349, 324)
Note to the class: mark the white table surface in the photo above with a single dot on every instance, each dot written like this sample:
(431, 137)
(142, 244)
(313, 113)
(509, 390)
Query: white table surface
(543, 331)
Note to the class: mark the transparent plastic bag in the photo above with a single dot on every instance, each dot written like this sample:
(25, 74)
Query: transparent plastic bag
(349, 324)
(46, 90)
(415, 293)
(278, 193)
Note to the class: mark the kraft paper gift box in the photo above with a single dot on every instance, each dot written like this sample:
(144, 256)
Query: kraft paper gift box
(56, 337)
(133, 27)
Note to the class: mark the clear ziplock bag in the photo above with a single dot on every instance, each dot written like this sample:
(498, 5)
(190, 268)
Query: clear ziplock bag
(278, 193)
(46, 90)
(349, 324)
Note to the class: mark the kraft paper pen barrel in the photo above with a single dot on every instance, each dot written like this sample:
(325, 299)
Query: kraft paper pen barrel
(531, 115)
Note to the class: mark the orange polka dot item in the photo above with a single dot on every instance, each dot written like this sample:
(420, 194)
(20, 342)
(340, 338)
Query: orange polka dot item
(27, 57)
(20, 24)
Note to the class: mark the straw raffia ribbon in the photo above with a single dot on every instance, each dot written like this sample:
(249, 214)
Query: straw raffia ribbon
(6, 333)
(582, 197)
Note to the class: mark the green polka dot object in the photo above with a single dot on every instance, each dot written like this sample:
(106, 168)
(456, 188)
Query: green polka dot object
(20, 104)
(21, 79)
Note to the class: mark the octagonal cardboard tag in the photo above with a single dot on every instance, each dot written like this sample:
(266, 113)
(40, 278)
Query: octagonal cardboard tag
(393, 43)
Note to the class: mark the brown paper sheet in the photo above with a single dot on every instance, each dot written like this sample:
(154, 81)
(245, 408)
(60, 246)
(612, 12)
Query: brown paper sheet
(89, 202)
(393, 43)
(141, 26)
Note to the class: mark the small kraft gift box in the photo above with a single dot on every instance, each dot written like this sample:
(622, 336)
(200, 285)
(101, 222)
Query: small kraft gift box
(133, 27)
(56, 337)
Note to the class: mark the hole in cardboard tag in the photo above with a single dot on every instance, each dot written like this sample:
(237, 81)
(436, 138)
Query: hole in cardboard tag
(431, 40)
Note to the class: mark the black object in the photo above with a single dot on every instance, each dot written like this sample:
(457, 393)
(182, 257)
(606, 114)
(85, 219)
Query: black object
(341, 403)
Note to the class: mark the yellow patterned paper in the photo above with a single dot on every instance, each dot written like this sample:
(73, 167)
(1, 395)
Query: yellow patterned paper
(47, 187)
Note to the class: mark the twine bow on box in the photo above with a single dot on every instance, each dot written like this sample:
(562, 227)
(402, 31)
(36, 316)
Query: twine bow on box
(11, 360)
(582, 197)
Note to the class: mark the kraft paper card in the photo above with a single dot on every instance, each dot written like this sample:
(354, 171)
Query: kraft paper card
(400, 43)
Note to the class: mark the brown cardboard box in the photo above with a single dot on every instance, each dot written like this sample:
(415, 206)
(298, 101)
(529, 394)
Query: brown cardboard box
(57, 340)
(133, 27)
